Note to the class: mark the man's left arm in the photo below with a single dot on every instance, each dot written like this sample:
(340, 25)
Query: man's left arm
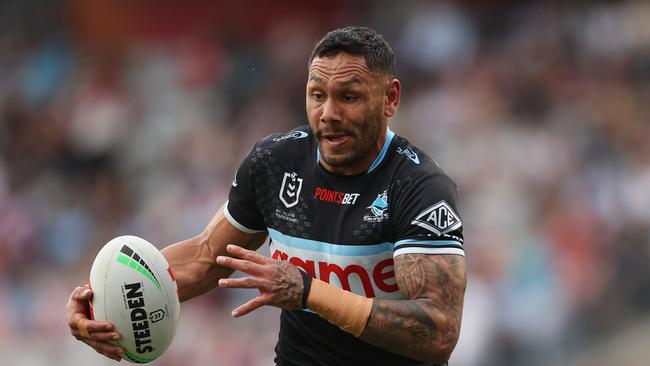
(425, 325)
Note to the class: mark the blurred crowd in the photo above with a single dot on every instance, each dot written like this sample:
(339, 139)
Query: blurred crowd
(131, 118)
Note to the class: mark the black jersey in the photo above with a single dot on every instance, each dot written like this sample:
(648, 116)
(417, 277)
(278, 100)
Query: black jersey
(344, 230)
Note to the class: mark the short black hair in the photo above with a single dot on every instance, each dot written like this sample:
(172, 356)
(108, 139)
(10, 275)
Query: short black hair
(361, 41)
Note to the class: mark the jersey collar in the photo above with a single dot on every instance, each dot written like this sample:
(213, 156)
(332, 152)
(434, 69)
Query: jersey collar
(389, 138)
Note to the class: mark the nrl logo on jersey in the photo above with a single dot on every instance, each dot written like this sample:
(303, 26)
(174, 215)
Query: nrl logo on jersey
(290, 190)
(439, 219)
(409, 153)
(378, 209)
(291, 135)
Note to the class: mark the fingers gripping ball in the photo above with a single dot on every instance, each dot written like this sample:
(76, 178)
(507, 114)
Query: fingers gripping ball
(83, 328)
(134, 289)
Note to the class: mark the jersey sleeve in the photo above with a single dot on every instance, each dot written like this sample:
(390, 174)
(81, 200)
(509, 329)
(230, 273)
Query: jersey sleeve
(426, 218)
(241, 210)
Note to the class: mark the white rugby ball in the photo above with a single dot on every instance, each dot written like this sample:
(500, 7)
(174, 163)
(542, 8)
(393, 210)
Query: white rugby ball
(134, 288)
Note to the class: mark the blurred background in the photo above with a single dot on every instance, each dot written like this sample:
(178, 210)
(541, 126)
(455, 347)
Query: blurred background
(130, 117)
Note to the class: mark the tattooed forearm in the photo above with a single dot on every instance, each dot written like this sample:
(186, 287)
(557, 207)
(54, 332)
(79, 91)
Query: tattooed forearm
(426, 326)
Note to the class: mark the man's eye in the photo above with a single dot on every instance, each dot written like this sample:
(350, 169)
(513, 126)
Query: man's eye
(318, 96)
(349, 98)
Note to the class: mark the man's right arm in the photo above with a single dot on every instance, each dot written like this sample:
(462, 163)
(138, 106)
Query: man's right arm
(193, 262)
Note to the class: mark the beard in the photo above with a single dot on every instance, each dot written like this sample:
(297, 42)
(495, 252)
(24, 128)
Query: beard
(363, 139)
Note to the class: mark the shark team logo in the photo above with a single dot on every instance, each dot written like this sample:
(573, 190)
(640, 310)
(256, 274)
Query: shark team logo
(378, 208)
(290, 190)
(438, 219)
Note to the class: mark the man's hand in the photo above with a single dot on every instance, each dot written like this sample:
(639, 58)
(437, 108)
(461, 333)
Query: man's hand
(279, 282)
(96, 334)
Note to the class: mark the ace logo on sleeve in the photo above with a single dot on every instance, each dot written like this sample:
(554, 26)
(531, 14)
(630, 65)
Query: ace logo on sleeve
(439, 219)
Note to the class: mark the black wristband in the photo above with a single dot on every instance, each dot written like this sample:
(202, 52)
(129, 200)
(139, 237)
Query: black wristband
(306, 283)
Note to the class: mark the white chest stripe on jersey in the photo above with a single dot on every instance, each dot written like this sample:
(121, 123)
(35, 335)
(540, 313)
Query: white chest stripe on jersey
(363, 269)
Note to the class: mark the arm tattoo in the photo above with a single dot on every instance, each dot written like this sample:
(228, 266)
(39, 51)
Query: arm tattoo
(288, 286)
(426, 325)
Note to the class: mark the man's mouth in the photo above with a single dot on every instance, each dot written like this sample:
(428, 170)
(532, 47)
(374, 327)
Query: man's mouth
(335, 138)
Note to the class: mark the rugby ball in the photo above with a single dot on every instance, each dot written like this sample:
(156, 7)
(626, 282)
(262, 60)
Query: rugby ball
(134, 288)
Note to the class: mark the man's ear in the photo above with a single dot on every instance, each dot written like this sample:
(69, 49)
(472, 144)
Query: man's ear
(392, 98)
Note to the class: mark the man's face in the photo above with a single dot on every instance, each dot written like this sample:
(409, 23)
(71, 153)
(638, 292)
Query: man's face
(346, 107)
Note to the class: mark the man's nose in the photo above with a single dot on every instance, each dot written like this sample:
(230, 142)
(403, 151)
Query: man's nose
(331, 112)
